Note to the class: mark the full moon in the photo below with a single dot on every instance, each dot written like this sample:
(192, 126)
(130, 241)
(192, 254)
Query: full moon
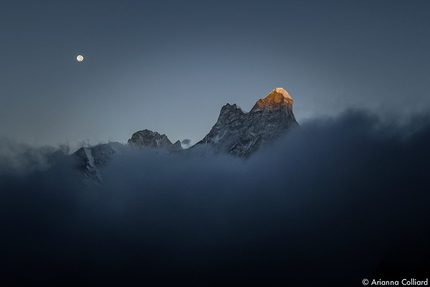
(80, 58)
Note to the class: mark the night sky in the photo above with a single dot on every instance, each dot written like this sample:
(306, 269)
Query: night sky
(169, 66)
(341, 198)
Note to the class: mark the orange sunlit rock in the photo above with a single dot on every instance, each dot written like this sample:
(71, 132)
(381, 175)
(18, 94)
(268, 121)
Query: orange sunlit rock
(276, 98)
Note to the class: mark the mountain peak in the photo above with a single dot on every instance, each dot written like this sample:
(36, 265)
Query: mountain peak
(277, 98)
(149, 139)
(241, 134)
(283, 92)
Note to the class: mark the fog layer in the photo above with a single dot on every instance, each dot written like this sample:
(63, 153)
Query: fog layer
(323, 205)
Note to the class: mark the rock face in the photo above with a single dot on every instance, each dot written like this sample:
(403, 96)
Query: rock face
(235, 132)
(240, 134)
(149, 139)
(91, 159)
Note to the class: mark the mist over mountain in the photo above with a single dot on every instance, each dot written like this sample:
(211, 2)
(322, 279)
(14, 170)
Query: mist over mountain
(23, 158)
(323, 183)
(235, 133)
(324, 204)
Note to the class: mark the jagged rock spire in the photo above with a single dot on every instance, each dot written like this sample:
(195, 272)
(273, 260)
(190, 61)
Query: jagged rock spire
(241, 134)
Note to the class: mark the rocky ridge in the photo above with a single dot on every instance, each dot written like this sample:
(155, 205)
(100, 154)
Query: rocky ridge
(236, 132)
(92, 159)
(241, 134)
(153, 140)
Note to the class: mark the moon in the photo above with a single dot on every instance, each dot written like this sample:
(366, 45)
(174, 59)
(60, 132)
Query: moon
(80, 58)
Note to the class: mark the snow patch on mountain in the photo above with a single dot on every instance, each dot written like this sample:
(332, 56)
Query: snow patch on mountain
(92, 159)
(236, 132)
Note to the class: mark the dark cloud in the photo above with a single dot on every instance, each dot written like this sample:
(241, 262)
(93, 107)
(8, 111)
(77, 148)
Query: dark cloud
(186, 143)
(322, 206)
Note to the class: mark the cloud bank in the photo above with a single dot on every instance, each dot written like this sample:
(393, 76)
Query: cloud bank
(22, 158)
(323, 205)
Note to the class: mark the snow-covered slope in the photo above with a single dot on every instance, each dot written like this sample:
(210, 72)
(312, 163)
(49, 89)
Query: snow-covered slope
(240, 134)
(235, 132)
(92, 159)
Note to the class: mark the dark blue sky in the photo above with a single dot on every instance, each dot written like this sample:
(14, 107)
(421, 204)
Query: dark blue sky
(169, 66)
